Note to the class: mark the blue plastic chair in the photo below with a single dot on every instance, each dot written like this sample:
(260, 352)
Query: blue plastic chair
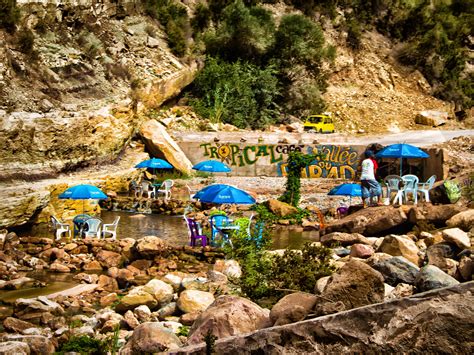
(216, 222)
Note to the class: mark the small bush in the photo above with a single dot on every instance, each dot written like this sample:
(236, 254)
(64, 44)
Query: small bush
(82, 344)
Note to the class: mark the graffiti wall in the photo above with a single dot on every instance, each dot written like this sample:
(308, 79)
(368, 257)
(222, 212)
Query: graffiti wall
(335, 162)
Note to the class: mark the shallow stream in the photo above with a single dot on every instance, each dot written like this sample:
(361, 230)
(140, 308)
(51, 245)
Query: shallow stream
(132, 225)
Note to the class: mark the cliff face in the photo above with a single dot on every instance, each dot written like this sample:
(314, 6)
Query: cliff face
(65, 101)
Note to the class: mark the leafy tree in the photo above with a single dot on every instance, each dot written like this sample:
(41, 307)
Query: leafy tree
(239, 93)
(243, 33)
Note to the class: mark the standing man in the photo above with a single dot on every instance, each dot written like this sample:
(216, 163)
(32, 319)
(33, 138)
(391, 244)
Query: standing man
(370, 187)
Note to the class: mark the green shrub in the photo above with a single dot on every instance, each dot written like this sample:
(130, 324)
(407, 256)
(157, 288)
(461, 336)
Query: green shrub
(9, 15)
(300, 269)
(82, 344)
(202, 18)
(174, 18)
(238, 93)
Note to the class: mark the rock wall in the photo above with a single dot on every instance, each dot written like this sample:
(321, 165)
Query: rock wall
(440, 320)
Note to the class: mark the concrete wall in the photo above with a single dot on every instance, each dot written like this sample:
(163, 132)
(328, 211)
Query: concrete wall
(340, 162)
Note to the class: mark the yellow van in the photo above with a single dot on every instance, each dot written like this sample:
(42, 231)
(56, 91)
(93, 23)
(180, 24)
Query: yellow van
(319, 123)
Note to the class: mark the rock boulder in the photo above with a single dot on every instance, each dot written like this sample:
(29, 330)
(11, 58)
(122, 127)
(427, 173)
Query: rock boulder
(292, 308)
(150, 337)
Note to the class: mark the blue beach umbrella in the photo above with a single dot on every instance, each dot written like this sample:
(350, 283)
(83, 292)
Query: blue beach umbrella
(154, 163)
(201, 192)
(401, 150)
(212, 166)
(83, 192)
(220, 194)
(350, 190)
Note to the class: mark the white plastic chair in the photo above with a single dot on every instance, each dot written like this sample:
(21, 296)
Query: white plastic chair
(110, 228)
(148, 189)
(92, 228)
(410, 186)
(165, 189)
(393, 183)
(425, 187)
(191, 193)
(60, 228)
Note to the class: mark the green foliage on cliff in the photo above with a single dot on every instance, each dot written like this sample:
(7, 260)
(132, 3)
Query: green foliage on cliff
(257, 72)
(240, 93)
(9, 15)
(174, 17)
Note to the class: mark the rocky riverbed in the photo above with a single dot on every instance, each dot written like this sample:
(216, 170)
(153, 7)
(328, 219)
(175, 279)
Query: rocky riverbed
(147, 296)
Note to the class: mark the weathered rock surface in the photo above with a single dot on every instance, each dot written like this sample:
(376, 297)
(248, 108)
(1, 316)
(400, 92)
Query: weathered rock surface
(159, 143)
(344, 239)
(425, 323)
(227, 316)
(369, 221)
(194, 301)
(14, 348)
(150, 246)
(292, 308)
(397, 270)
(355, 284)
(400, 245)
(457, 236)
(281, 209)
(150, 337)
(431, 277)
(463, 220)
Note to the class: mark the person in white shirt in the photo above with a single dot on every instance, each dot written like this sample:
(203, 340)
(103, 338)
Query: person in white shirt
(370, 187)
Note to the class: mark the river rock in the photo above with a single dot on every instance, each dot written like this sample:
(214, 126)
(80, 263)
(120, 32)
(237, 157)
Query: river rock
(16, 284)
(174, 279)
(92, 266)
(438, 254)
(109, 299)
(361, 251)
(162, 291)
(216, 276)
(397, 270)
(435, 214)
(14, 348)
(131, 320)
(38, 344)
(442, 319)
(344, 239)
(87, 278)
(431, 277)
(124, 277)
(167, 310)
(142, 313)
(189, 318)
(230, 268)
(16, 325)
(228, 316)
(321, 284)
(463, 220)
(107, 283)
(109, 259)
(39, 304)
(194, 301)
(402, 290)
(457, 236)
(466, 267)
(355, 284)
(135, 298)
(150, 337)
(292, 308)
(369, 221)
(59, 267)
(281, 209)
(400, 245)
(150, 246)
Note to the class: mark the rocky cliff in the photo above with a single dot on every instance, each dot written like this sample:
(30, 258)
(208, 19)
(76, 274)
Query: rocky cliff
(72, 98)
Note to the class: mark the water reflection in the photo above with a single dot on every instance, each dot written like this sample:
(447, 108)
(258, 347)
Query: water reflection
(173, 229)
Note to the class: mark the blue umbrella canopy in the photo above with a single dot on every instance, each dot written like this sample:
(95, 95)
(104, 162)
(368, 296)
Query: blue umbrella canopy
(220, 194)
(154, 163)
(201, 192)
(83, 192)
(401, 150)
(212, 166)
(346, 190)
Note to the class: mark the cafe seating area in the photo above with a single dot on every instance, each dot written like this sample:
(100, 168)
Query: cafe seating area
(408, 188)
